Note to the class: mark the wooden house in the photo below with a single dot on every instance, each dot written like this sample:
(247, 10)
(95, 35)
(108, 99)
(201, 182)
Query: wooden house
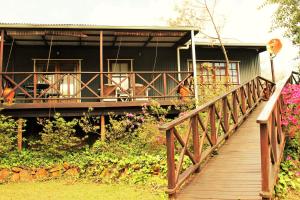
(68, 68)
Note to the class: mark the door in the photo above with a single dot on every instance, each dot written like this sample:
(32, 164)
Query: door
(120, 75)
(65, 81)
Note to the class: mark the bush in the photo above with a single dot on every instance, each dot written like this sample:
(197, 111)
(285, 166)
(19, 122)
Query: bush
(58, 136)
(8, 134)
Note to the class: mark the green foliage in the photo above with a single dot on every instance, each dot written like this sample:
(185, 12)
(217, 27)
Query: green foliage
(58, 136)
(8, 134)
(289, 176)
(287, 16)
(185, 105)
(121, 127)
(87, 122)
(155, 109)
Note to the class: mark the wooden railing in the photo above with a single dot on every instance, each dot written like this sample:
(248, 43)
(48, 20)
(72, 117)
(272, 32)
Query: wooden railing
(94, 86)
(196, 135)
(272, 137)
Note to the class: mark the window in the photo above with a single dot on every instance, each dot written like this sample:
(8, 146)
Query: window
(210, 71)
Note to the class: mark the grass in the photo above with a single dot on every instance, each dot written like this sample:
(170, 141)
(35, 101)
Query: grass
(62, 190)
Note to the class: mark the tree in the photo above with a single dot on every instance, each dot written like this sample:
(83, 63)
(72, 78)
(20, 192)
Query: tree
(287, 16)
(197, 13)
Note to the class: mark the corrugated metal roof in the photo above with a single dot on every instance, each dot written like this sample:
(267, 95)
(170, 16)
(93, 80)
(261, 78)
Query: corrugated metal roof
(92, 26)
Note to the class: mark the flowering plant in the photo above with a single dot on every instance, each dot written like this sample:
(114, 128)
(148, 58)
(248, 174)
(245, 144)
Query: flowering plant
(290, 115)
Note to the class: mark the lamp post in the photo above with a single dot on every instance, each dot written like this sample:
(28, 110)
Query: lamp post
(273, 47)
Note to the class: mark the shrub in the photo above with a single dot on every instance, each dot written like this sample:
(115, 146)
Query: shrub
(155, 109)
(8, 134)
(87, 122)
(58, 136)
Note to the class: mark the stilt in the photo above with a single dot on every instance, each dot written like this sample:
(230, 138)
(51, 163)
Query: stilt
(20, 134)
(102, 128)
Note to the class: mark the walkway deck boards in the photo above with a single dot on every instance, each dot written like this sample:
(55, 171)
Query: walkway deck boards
(235, 172)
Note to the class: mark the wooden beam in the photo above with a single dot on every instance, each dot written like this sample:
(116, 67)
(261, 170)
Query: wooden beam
(148, 41)
(115, 40)
(183, 39)
(20, 134)
(87, 41)
(45, 40)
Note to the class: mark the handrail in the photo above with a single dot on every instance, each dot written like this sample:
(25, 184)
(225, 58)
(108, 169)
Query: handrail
(272, 137)
(177, 121)
(207, 128)
(97, 86)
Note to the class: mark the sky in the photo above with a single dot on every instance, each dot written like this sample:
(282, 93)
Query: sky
(240, 19)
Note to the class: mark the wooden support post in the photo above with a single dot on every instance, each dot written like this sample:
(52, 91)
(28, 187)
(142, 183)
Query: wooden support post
(212, 120)
(102, 128)
(20, 134)
(101, 64)
(1, 59)
(170, 161)
(265, 160)
(196, 140)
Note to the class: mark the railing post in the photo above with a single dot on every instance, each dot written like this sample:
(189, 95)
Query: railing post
(258, 88)
(225, 114)
(212, 121)
(265, 161)
(165, 84)
(249, 94)
(243, 99)
(196, 139)
(274, 135)
(34, 85)
(170, 160)
(133, 85)
(234, 107)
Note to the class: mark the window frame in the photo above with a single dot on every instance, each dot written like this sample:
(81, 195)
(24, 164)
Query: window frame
(189, 64)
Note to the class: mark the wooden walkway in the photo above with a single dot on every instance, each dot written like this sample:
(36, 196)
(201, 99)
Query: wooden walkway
(235, 172)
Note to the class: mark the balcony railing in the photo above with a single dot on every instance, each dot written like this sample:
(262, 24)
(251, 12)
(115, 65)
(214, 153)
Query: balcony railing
(42, 87)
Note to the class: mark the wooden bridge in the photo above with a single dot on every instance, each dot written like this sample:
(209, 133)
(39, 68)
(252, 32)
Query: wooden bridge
(231, 147)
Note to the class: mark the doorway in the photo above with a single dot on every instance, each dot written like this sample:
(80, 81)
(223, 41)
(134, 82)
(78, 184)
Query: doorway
(63, 77)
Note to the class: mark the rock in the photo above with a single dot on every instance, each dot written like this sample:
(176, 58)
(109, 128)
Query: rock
(55, 169)
(56, 174)
(4, 173)
(25, 175)
(72, 172)
(41, 173)
(15, 177)
(66, 165)
(16, 169)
